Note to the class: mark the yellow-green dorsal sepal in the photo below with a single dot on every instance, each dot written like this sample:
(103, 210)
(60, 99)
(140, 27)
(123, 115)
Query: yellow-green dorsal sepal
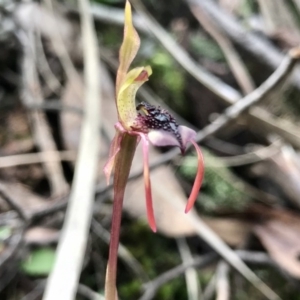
(126, 96)
(129, 48)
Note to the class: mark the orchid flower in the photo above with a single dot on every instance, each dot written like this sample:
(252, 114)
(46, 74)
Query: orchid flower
(145, 123)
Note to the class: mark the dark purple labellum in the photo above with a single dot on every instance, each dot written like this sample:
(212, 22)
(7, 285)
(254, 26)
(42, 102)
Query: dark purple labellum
(152, 117)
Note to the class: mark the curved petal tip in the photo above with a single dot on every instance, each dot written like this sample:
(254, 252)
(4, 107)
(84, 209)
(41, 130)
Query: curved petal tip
(198, 180)
(148, 193)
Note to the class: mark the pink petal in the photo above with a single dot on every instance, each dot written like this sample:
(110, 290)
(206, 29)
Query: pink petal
(198, 179)
(162, 138)
(113, 151)
(187, 135)
(149, 205)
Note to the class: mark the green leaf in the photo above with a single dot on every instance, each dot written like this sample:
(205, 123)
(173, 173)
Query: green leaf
(40, 262)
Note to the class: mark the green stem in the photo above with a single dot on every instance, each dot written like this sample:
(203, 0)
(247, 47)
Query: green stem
(122, 168)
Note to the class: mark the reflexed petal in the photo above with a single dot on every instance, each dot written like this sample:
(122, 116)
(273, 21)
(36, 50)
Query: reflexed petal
(165, 138)
(187, 135)
(126, 96)
(129, 48)
(113, 151)
(149, 205)
(198, 179)
(162, 138)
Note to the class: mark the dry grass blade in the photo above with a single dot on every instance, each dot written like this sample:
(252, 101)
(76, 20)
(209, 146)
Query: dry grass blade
(260, 47)
(191, 276)
(271, 84)
(278, 20)
(63, 280)
(34, 158)
(213, 240)
(222, 284)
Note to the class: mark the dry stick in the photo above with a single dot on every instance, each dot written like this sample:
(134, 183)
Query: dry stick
(63, 280)
(222, 281)
(236, 64)
(259, 46)
(14, 205)
(258, 115)
(209, 291)
(44, 67)
(214, 84)
(221, 89)
(82, 290)
(201, 262)
(34, 158)
(60, 48)
(191, 277)
(297, 3)
(89, 293)
(273, 82)
(154, 285)
(41, 131)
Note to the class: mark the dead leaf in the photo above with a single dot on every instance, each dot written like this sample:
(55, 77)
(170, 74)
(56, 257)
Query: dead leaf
(280, 234)
(284, 170)
(233, 232)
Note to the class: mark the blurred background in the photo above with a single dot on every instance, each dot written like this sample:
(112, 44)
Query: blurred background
(206, 55)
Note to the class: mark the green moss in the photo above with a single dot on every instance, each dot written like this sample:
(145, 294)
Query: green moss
(206, 47)
(169, 79)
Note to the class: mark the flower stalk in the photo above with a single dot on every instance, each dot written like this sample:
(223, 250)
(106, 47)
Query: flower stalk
(123, 162)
